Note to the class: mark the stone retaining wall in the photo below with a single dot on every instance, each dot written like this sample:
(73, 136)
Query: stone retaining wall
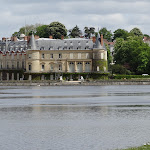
(85, 83)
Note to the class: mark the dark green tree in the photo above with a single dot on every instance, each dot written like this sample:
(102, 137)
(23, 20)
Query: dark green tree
(75, 32)
(136, 32)
(133, 52)
(42, 31)
(120, 33)
(57, 29)
(106, 34)
(89, 31)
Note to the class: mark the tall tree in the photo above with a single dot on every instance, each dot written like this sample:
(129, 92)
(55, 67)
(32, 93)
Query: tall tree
(75, 32)
(42, 31)
(136, 32)
(106, 34)
(89, 31)
(134, 52)
(120, 33)
(57, 29)
(27, 30)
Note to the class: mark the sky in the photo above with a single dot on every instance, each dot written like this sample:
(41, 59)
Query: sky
(112, 14)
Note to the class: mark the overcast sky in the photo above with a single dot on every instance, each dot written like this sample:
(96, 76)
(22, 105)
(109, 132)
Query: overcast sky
(112, 14)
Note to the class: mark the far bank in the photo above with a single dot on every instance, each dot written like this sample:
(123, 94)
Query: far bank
(75, 83)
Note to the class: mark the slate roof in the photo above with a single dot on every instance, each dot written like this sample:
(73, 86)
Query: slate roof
(50, 44)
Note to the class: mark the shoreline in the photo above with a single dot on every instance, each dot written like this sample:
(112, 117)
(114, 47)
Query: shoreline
(75, 83)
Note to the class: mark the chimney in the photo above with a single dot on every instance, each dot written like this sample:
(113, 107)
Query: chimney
(15, 38)
(94, 39)
(28, 39)
(12, 38)
(25, 38)
(3, 39)
(102, 39)
(62, 37)
(51, 37)
(36, 37)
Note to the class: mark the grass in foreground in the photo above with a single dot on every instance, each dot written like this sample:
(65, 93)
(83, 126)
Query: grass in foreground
(145, 147)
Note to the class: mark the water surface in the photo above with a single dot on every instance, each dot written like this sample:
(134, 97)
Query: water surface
(74, 117)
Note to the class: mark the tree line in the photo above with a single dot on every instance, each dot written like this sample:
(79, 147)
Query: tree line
(131, 54)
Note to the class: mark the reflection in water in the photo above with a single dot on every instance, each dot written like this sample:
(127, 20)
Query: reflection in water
(54, 118)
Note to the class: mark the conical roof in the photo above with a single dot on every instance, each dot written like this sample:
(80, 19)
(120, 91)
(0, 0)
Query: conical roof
(32, 43)
(98, 44)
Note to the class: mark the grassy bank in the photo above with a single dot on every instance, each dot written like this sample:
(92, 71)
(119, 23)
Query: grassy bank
(144, 147)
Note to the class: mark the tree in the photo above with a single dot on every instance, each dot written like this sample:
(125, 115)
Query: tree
(133, 52)
(57, 29)
(120, 33)
(109, 57)
(136, 32)
(75, 32)
(89, 31)
(42, 31)
(27, 30)
(106, 34)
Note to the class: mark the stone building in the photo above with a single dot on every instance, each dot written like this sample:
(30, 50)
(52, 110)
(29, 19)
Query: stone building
(35, 55)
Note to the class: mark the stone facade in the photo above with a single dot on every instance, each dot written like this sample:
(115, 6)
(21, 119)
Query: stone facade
(43, 55)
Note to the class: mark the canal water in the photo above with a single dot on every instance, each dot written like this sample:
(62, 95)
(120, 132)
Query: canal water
(74, 117)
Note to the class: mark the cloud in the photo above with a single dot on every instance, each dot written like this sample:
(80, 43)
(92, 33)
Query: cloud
(112, 14)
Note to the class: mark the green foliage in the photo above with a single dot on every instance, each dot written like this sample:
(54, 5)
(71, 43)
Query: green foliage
(57, 29)
(75, 32)
(146, 35)
(133, 52)
(145, 147)
(119, 76)
(101, 64)
(136, 32)
(27, 30)
(119, 69)
(120, 33)
(109, 57)
(106, 34)
(42, 31)
(89, 31)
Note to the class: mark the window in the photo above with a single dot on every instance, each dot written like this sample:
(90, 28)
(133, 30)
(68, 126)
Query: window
(7, 65)
(79, 55)
(51, 56)
(17, 65)
(60, 67)
(71, 55)
(23, 64)
(13, 66)
(51, 67)
(102, 56)
(43, 67)
(42, 48)
(87, 55)
(30, 56)
(17, 55)
(42, 56)
(12, 56)
(30, 67)
(51, 48)
(60, 55)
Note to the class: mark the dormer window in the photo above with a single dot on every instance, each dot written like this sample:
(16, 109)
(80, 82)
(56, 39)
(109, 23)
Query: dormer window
(79, 47)
(87, 47)
(65, 43)
(71, 43)
(51, 48)
(42, 48)
(71, 47)
(42, 56)
(59, 48)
